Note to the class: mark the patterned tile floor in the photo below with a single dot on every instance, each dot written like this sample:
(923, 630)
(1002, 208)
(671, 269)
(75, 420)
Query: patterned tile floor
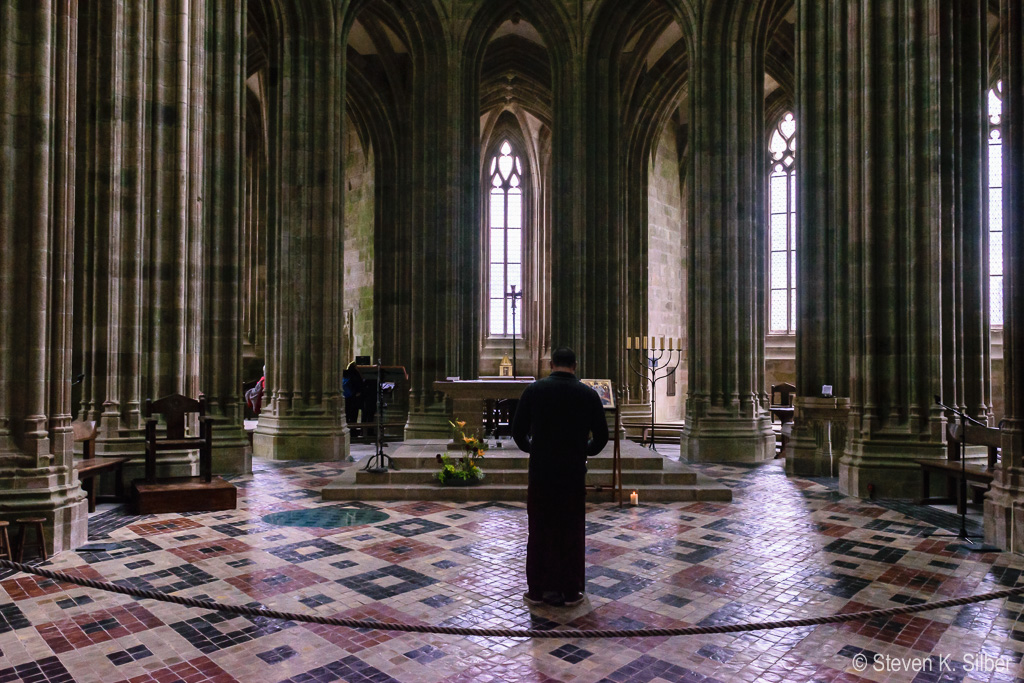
(785, 547)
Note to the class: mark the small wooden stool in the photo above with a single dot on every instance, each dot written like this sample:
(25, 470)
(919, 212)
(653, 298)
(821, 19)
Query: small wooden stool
(5, 541)
(26, 523)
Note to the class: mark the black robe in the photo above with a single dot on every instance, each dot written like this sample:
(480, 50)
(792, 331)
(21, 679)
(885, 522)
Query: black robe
(559, 422)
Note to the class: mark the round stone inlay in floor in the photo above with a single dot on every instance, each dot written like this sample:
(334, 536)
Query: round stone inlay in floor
(326, 518)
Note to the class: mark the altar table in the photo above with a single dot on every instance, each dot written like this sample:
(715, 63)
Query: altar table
(468, 396)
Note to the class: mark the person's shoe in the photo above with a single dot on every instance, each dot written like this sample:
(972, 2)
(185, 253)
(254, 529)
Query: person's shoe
(533, 599)
(573, 599)
(554, 599)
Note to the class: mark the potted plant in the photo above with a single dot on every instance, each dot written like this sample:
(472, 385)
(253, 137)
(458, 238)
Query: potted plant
(464, 471)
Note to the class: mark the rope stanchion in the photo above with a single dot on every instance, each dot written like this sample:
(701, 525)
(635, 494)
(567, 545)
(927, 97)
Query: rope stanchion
(508, 632)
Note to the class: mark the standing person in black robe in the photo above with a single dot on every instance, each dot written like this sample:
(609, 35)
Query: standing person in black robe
(559, 422)
(352, 389)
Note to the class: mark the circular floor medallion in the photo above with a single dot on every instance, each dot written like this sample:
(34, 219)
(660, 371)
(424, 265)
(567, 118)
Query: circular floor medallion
(326, 518)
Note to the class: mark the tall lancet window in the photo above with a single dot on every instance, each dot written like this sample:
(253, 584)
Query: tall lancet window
(782, 227)
(506, 238)
(995, 206)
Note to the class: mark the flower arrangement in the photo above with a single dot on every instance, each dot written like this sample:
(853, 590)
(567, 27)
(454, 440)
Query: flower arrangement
(465, 470)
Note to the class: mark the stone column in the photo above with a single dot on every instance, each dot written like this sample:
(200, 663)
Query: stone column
(110, 216)
(139, 235)
(221, 361)
(440, 263)
(1004, 504)
(822, 343)
(302, 416)
(726, 417)
(372, 104)
(38, 46)
(916, 232)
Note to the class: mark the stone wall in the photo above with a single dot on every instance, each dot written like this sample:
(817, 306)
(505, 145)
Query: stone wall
(779, 360)
(359, 235)
(666, 262)
(998, 402)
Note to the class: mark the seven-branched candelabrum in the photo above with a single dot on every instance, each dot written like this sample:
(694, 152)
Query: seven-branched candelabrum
(465, 470)
(651, 366)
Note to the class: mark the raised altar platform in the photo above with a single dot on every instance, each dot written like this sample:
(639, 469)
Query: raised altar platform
(654, 477)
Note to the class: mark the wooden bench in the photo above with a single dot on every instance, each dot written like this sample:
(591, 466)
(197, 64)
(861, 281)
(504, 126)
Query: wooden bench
(978, 477)
(89, 466)
(673, 428)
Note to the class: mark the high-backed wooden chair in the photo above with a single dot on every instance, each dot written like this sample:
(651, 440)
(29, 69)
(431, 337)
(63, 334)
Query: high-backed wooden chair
(174, 409)
(782, 402)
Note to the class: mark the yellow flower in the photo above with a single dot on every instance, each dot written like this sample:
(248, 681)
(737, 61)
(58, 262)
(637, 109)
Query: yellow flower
(467, 439)
(461, 423)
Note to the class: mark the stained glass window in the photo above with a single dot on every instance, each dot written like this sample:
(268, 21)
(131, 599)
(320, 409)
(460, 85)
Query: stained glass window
(782, 227)
(995, 206)
(505, 225)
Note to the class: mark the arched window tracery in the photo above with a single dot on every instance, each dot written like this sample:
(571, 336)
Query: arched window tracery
(995, 206)
(505, 232)
(782, 227)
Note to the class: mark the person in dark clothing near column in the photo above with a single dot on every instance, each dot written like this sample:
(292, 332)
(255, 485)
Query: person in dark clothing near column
(559, 422)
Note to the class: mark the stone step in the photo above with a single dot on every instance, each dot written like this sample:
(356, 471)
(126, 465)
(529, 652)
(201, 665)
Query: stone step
(654, 477)
(704, 490)
(518, 460)
(519, 477)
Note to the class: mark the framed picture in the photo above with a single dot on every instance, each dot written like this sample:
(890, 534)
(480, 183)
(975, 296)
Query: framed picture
(604, 389)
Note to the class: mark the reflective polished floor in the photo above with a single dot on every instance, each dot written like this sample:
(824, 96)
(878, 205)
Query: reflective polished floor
(784, 548)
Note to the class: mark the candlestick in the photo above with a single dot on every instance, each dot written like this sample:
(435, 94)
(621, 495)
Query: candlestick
(634, 499)
(654, 365)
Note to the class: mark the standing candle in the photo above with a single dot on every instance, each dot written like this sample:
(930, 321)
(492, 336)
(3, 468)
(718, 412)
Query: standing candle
(645, 342)
(634, 499)
(629, 342)
(670, 343)
(662, 343)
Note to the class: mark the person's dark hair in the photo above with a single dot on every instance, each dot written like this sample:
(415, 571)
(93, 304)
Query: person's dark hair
(563, 357)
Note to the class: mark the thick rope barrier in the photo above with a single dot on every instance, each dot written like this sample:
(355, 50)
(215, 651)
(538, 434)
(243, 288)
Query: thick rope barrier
(245, 610)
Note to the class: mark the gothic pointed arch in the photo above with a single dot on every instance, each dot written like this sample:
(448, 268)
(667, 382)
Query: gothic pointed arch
(637, 61)
(544, 84)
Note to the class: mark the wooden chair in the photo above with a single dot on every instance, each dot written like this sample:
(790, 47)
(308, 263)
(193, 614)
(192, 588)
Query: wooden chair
(174, 408)
(782, 402)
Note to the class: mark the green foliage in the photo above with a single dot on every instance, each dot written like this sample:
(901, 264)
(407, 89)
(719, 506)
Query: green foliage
(458, 473)
(465, 470)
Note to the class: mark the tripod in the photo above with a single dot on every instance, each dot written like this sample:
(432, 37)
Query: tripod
(969, 543)
(380, 461)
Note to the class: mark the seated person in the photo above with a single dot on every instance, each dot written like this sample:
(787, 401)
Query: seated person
(254, 397)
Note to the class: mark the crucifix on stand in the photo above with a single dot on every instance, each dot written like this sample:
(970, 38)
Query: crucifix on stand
(515, 296)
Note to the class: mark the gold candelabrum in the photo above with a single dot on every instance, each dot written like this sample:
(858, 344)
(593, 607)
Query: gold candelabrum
(653, 363)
